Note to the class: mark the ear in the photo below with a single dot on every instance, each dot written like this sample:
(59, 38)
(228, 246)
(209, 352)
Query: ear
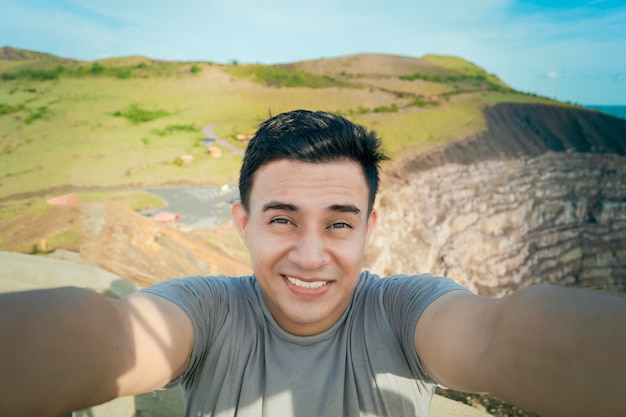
(371, 224)
(240, 220)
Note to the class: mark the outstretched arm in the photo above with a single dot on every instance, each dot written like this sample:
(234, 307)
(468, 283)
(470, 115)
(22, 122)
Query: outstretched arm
(69, 348)
(556, 351)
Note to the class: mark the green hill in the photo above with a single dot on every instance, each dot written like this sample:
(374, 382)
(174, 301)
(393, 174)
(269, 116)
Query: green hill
(124, 122)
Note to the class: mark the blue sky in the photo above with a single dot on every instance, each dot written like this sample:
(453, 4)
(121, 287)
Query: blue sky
(569, 50)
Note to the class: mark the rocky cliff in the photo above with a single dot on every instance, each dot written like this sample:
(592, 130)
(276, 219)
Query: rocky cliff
(538, 197)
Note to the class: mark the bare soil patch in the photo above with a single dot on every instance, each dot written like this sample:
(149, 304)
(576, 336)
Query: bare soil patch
(119, 240)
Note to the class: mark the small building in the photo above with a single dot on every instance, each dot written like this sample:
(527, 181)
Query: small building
(63, 200)
(165, 217)
(186, 159)
(208, 142)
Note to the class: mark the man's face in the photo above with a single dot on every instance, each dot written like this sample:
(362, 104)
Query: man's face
(306, 231)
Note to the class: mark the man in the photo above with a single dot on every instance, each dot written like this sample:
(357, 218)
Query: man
(310, 334)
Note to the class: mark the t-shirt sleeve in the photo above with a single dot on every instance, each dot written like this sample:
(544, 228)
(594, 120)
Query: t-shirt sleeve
(205, 301)
(405, 299)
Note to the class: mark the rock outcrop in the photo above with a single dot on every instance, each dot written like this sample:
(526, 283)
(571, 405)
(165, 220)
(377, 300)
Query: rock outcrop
(117, 239)
(523, 211)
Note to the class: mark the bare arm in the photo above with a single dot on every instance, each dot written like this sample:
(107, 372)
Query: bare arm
(556, 351)
(67, 349)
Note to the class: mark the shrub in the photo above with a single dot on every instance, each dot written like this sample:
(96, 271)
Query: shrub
(419, 102)
(385, 109)
(415, 76)
(136, 115)
(7, 108)
(40, 113)
(35, 74)
(169, 129)
(281, 77)
(97, 68)
(478, 79)
(123, 73)
(195, 69)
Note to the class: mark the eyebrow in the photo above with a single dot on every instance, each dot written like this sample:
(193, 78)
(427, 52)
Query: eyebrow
(345, 208)
(342, 208)
(277, 205)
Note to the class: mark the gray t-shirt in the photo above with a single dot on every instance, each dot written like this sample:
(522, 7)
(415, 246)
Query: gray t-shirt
(244, 364)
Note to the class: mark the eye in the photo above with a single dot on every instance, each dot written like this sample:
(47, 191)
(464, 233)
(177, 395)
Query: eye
(340, 225)
(280, 220)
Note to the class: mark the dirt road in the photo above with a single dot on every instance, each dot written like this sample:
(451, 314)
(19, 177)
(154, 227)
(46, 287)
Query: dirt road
(197, 206)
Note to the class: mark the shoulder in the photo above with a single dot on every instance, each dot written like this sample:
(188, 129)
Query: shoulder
(201, 293)
(405, 297)
(408, 285)
(200, 284)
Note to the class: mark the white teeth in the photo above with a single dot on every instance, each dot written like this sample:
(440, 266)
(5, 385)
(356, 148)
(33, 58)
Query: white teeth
(304, 284)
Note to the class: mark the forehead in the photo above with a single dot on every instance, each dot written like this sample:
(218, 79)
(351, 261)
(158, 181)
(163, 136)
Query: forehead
(310, 183)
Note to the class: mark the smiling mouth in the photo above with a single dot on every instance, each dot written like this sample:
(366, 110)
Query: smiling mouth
(305, 284)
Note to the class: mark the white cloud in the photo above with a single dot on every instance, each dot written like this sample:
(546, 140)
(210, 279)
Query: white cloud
(556, 74)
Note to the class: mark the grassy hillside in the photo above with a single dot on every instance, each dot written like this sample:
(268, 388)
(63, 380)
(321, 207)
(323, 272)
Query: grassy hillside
(124, 122)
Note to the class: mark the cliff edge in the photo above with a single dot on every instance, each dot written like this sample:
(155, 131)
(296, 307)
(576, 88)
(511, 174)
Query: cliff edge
(515, 130)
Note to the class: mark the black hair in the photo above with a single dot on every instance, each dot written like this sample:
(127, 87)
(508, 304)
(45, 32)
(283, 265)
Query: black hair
(314, 137)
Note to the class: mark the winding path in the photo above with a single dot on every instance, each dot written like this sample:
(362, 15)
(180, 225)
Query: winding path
(209, 133)
(200, 206)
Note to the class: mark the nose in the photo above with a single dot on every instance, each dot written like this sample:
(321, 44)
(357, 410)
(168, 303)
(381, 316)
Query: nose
(309, 251)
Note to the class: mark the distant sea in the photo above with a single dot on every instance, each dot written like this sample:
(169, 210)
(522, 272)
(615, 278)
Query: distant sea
(619, 111)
